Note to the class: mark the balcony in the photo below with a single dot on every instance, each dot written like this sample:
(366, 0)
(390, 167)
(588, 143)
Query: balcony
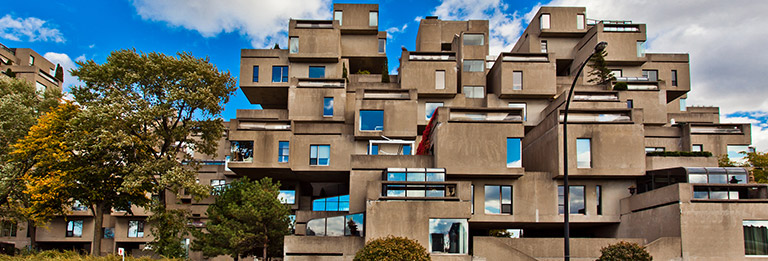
(613, 116)
(432, 56)
(321, 82)
(717, 129)
(511, 115)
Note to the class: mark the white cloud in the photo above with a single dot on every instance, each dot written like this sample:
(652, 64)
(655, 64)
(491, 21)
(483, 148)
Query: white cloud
(418, 19)
(263, 22)
(394, 30)
(31, 28)
(67, 64)
(759, 130)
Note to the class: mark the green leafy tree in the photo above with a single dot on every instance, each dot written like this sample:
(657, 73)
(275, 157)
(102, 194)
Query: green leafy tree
(168, 106)
(344, 71)
(624, 251)
(277, 46)
(246, 217)
(600, 73)
(10, 73)
(392, 248)
(385, 72)
(59, 73)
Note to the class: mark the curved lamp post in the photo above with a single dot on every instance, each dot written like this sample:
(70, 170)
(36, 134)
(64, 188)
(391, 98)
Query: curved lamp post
(566, 190)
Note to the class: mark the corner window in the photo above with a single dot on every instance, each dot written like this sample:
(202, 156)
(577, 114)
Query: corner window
(474, 39)
(136, 228)
(682, 104)
(319, 155)
(579, 21)
(474, 66)
(287, 197)
(544, 21)
(697, 147)
(575, 200)
(674, 77)
(448, 236)
(338, 15)
(317, 72)
(514, 153)
(440, 80)
(293, 44)
(255, 74)
(543, 46)
(279, 73)
(382, 45)
(74, 228)
(651, 75)
(755, 237)
(520, 105)
(241, 151)
(283, 151)
(371, 120)
(430, 108)
(517, 80)
(584, 153)
(373, 19)
(474, 92)
(328, 107)
(498, 199)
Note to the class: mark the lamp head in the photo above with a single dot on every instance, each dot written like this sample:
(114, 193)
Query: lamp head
(600, 46)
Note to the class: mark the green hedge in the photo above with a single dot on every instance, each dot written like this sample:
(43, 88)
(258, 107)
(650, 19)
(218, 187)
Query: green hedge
(680, 153)
(620, 86)
(392, 248)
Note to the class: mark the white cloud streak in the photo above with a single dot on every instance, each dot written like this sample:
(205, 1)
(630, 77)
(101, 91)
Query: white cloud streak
(392, 31)
(263, 22)
(29, 29)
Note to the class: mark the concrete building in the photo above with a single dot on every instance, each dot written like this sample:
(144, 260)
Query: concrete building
(25, 63)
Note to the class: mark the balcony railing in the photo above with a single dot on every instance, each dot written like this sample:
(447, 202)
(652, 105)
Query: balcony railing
(595, 96)
(485, 115)
(727, 129)
(598, 117)
(414, 56)
(250, 125)
(415, 190)
(312, 82)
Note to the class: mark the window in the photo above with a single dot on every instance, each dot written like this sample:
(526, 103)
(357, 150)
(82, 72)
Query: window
(654, 149)
(674, 77)
(580, 21)
(338, 15)
(319, 155)
(439, 80)
(74, 228)
(371, 120)
(517, 80)
(40, 88)
(293, 44)
(630, 104)
(519, 105)
(219, 185)
(241, 151)
(640, 48)
(583, 153)
(136, 228)
(407, 149)
(373, 19)
(328, 107)
(652, 75)
(317, 72)
(697, 147)
(575, 200)
(755, 237)
(543, 46)
(255, 74)
(737, 153)
(474, 92)
(474, 39)
(514, 153)
(31, 60)
(474, 65)
(430, 108)
(682, 104)
(498, 199)
(349, 225)
(8, 228)
(283, 151)
(599, 195)
(472, 197)
(448, 236)
(617, 73)
(382, 45)
(544, 21)
(338, 203)
(109, 232)
(374, 150)
(279, 73)
(287, 196)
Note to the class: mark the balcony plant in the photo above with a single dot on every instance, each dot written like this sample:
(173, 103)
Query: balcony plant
(624, 251)
(392, 248)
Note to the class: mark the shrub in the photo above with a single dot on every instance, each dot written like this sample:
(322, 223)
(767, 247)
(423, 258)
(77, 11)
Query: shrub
(620, 86)
(624, 251)
(392, 248)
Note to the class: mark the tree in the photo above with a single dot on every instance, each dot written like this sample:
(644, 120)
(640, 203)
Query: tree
(277, 46)
(385, 72)
(600, 73)
(246, 217)
(624, 251)
(759, 162)
(74, 159)
(344, 71)
(20, 107)
(392, 248)
(59, 73)
(168, 106)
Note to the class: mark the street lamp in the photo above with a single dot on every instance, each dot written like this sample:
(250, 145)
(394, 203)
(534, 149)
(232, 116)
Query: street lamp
(566, 190)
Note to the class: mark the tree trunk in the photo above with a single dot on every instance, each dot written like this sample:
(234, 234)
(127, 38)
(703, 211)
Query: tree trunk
(98, 233)
(266, 239)
(32, 236)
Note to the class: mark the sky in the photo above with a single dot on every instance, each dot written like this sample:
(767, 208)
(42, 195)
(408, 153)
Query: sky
(724, 38)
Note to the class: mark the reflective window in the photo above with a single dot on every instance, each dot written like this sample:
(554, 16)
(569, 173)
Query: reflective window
(338, 203)
(576, 202)
(498, 199)
(319, 155)
(514, 153)
(584, 153)
(31, 60)
(293, 44)
(517, 80)
(544, 21)
(354, 225)
(382, 45)
(440, 80)
(474, 92)
(109, 232)
(520, 105)
(348, 225)
(338, 15)
(283, 151)
(316, 227)
(406, 149)
(654, 149)
(474, 39)
(40, 88)
(630, 104)
(334, 226)
(738, 153)
(328, 107)
(396, 176)
(371, 120)
(543, 46)
(74, 228)
(279, 73)
(255, 74)
(241, 151)
(448, 236)
(755, 237)
(579, 21)
(373, 18)
(287, 196)
(317, 72)
(430, 108)
(474, 66)
(136, 228)
(374, 150)
(674, 77)
(652, 75)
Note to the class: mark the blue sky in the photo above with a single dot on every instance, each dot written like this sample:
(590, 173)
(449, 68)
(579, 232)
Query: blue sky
(65, 31)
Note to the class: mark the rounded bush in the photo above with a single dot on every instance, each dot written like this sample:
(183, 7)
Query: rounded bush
(624, 251)
(392, 248)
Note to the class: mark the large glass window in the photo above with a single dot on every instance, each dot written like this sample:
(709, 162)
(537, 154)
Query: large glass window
(371, 120)
(287, 196)
(348, 225)
(514, 153)
(474, 39)
(319, 155)
(328, 107)
(579, 21)
(474, 92)
(576, 202)
(136, 228)
(382, 45)
(241, 151)
(474, 66)
(448, 236)
(738, 153)
(338, 203)
(316, 227)
(520, 105)
(430, 108)
(584, 153)
(652, 75)
(439, 80)
(498, 199)
(373, 18)
(279, 73)
(755, 237)
(517, 80)
(255, 74)
(293, 44)
(338, 15)
(317, 72)
(74, 228)
(674, 77)
(283, 151)
(544, 21)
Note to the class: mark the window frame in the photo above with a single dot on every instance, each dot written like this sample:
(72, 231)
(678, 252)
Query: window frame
(501, 199)
(315, 68)
(542, 24)
(561, 199)
(360, 117)
(518, 105)
(520, 156)
(139, 228)
(70, 229)
(293, 41)
(544, 46)
(517, 75)
(473, 92)
(579, 160)
(338, 15)
(440, 77)
(326, 102)
(255, 73)
(647, 74)
(317, 157)
(599, 199)
(282, 72)
(283, 153)
(467, 65)
(673, 77)
(472, 41)
(580, 22)
(373, 18)
(382, 47)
